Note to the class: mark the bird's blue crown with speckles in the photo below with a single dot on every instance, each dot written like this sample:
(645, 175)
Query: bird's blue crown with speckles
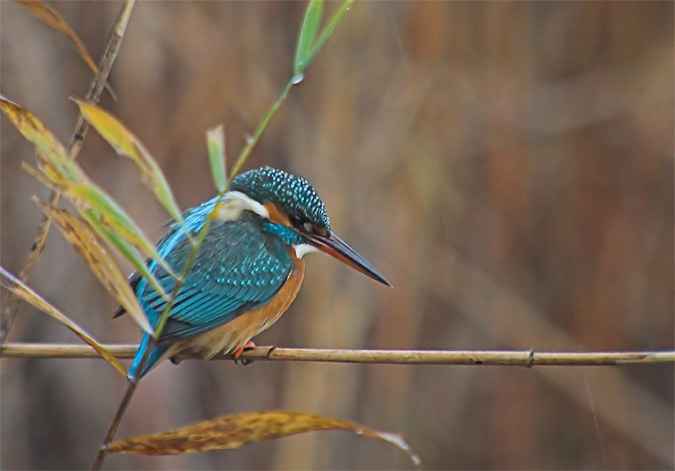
(290, 193)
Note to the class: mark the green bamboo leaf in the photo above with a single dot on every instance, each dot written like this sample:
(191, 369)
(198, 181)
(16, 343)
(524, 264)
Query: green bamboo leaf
(307, 35)
(127, 144)
(9, 282)
(91, 196)
(237, 430)
(125, 249)
(328, 30)
(60, 173)
(215, 143)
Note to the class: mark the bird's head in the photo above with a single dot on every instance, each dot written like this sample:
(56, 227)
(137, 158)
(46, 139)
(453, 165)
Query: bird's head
(293, 210)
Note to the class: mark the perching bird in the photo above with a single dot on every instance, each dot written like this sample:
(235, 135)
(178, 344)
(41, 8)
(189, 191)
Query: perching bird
(248, 270)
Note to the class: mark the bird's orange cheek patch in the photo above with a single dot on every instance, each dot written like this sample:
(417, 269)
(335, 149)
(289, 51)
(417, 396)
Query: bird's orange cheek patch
(276, 215)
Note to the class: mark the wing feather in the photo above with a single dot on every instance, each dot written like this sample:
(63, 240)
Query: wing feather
(238, 268)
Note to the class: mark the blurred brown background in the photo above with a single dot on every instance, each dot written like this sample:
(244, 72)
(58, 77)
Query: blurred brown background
(508, 166)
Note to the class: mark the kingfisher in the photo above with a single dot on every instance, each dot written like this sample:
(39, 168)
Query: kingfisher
(247, 271)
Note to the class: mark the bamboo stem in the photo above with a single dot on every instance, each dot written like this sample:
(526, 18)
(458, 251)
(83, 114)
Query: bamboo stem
(527, 358)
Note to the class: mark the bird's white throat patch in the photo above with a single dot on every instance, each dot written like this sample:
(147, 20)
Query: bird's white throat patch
(303, 249)
(234, 203)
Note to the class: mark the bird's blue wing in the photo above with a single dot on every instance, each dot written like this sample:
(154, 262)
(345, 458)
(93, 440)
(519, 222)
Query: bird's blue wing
(238, 268)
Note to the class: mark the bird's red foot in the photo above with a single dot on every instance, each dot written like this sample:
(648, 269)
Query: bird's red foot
(238, 352)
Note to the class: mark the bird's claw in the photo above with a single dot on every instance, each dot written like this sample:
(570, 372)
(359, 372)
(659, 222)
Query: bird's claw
(238, 352)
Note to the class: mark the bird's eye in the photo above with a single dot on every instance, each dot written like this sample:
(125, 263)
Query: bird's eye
(308, 227)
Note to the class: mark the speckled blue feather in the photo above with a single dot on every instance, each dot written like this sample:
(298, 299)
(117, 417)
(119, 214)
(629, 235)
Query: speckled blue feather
(292, 194)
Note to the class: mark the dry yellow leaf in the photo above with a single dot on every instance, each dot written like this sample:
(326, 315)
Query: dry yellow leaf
(8, 281)
(52, 18)
(100, 261)
(127, 144)
(237, 430)
(62, 174)
(48, 146)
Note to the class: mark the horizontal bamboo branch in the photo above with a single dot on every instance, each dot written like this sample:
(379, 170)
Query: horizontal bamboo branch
(527, 358)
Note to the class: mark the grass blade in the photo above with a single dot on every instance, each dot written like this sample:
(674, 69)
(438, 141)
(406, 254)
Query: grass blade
(328, 30)
(9, 282)
(215, 143)
(307, 35)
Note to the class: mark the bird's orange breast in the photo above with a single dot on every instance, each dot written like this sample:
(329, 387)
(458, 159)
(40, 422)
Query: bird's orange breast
(234, 334)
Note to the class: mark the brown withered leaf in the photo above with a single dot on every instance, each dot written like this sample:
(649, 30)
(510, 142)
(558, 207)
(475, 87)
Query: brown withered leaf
(100, 261)
(52, 18)
(237, 430)
(11, 283)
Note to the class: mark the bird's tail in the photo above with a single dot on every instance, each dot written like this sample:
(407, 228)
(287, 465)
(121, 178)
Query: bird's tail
(156, 355)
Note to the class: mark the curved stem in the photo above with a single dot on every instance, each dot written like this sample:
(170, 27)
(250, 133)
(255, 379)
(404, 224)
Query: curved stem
(253, 140)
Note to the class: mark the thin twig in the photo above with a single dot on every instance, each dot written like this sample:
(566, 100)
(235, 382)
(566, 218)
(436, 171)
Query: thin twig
(252, 141)
(74, 146)
(525, 358)
(114, 424)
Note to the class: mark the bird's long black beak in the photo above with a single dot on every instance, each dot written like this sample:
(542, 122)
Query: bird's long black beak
(337, 248)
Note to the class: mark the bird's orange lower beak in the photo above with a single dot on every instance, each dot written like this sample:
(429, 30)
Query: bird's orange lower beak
(336, 247)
